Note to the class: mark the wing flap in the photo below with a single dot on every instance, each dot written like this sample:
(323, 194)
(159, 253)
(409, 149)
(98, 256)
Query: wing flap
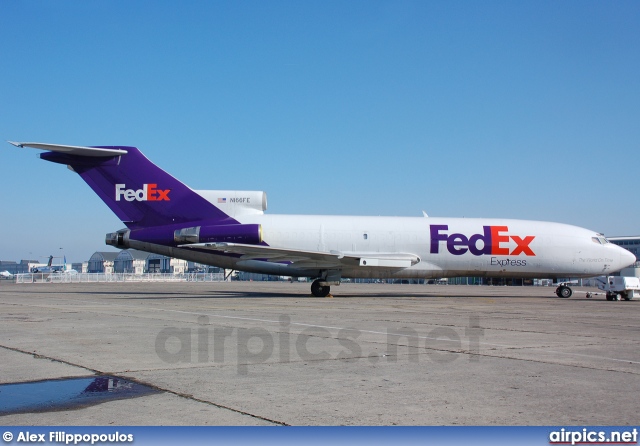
(386, 263)
(312, 259)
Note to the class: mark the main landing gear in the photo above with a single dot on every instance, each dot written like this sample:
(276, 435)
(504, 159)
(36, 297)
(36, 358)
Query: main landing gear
(564, 291)
(319, 289)
(322, 285)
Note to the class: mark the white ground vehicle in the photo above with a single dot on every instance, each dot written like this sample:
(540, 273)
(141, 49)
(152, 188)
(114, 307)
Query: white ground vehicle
(618, 287)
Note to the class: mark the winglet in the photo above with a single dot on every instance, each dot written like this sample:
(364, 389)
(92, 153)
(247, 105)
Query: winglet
(424, 214)
(71, 150)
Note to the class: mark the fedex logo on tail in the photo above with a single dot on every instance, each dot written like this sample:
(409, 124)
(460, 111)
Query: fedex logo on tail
(149, 192)
(493, 241)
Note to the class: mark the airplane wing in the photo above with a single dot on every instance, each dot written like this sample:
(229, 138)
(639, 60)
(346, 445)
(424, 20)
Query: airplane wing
(71, 150)
(312, 259)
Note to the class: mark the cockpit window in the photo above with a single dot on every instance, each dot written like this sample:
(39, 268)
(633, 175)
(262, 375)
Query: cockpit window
(595, 240)
(603, 240)
(600, 240)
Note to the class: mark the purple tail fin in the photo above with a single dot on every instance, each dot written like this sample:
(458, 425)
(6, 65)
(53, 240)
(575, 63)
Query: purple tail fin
(139, 192)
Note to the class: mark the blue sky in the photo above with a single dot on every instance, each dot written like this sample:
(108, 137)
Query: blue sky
(508, 109)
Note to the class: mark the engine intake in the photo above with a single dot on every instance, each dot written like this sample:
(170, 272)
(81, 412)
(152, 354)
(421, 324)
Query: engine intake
(118, 239)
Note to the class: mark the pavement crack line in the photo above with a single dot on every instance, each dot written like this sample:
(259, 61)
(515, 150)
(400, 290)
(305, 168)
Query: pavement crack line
(61, 361)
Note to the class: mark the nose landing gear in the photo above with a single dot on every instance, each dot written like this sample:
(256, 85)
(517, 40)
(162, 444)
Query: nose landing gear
(564, 291)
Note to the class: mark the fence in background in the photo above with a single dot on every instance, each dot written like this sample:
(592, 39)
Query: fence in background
(117, 277)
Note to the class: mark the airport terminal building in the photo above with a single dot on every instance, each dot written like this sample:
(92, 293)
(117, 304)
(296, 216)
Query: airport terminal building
(132, 261)
(21, 267)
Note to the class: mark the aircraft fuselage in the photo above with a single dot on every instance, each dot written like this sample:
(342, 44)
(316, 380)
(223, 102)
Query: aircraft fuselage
(447, 247)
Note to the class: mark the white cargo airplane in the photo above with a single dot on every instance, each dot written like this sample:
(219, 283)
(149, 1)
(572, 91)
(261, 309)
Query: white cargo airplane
(230, 229)
(6, 275)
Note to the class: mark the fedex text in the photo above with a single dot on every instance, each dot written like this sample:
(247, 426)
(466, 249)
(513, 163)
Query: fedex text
(493, 241)
(149, 192)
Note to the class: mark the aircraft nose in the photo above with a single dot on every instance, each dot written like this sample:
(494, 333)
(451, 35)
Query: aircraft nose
(627, 258)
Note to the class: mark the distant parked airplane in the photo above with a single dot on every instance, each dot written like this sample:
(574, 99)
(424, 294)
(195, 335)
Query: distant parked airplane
(50, 268)
(229, 229)
(6, 275)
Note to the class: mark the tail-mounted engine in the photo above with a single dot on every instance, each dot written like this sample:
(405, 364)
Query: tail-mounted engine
(118, 239)
(249, 234)
(170, 235)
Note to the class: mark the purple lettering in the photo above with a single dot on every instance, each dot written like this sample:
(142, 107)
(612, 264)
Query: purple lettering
(459, 244)
(486, 242)
(436, 237)
(456, 240)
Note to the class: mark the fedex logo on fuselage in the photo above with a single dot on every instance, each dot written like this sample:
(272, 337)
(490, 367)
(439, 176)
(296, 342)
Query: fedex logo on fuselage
(149, 192)
(492, 241)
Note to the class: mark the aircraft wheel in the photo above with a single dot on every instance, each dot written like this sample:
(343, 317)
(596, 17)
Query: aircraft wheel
(564, 292)
(318, 290)
(617, 297)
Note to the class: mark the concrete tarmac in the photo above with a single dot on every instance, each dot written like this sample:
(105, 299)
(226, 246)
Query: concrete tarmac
(266, 353)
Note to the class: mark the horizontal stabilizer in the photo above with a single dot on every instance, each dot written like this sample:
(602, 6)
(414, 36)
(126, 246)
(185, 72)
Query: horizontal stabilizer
(71, 150)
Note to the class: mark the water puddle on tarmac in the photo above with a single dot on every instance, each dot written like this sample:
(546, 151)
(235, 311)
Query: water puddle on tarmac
(66, 394)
